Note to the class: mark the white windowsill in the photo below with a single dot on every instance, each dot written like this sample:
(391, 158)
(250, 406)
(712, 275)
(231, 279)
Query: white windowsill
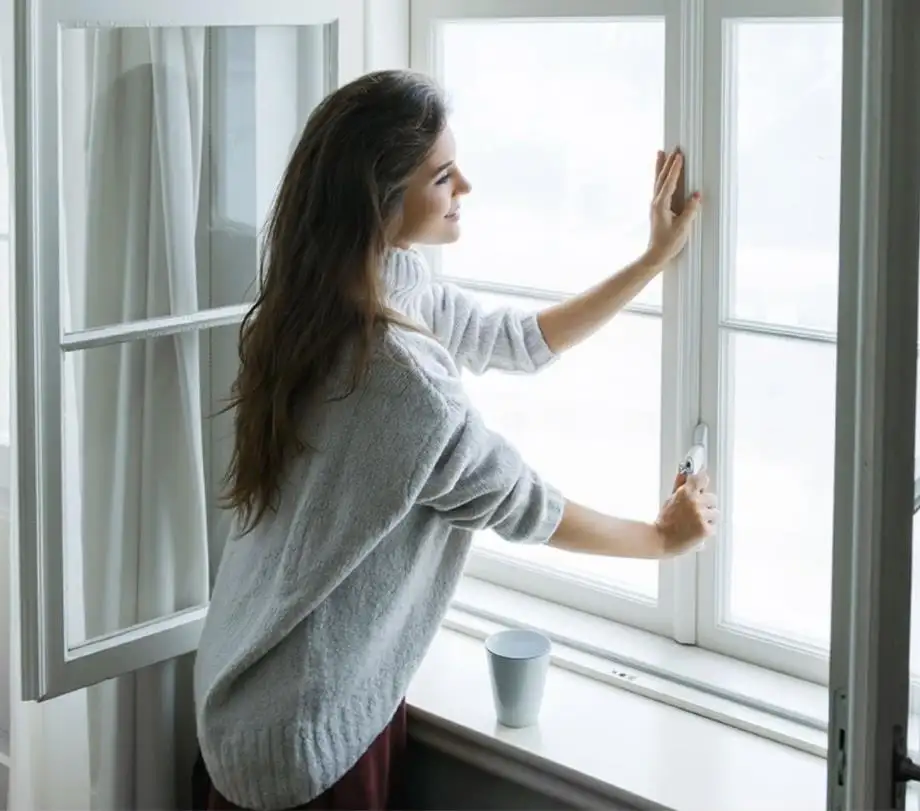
(611, 734)
(600, 746)
(785, 709)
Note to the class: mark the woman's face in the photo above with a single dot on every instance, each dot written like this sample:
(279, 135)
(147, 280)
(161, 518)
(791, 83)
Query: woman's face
(431, 205)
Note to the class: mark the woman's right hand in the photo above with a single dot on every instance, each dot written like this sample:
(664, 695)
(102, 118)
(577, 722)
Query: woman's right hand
(688, 517)
(669, 231)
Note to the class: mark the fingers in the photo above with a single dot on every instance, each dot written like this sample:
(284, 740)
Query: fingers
(670, 185)
(661, 173)
(698, 481)
(660, 159)
(671, 176)
(692, 208)
(708, 500)
(679, 481)
(710, 522)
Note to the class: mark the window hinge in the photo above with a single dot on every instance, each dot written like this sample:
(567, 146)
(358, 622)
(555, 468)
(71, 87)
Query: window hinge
(838, 745)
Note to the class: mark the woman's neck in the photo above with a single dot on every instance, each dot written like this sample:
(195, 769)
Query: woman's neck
(405, 269)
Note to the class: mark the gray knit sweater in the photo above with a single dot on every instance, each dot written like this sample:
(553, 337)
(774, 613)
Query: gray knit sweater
(320, 617)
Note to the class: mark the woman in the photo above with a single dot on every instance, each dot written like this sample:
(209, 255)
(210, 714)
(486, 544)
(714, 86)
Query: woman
(361, 470)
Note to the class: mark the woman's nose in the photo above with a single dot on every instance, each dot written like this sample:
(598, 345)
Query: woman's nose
(463, 185)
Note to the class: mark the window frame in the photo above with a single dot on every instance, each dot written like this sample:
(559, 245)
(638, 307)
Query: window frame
(50, 665)
(749, 644)
(670, 614)
(688, 607)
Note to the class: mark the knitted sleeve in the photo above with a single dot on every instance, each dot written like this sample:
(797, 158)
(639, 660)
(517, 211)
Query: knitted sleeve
(505, 338)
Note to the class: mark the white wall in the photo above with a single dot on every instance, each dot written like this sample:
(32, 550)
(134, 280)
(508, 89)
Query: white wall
(386, 26)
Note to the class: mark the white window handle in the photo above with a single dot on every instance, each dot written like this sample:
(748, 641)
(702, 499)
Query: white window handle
(697, 457)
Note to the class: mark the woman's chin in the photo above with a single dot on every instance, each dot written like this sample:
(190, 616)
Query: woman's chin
(445, 235)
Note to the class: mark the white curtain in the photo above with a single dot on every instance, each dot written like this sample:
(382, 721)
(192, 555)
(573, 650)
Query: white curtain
(132, 109)
(130, 217)
(141, 482)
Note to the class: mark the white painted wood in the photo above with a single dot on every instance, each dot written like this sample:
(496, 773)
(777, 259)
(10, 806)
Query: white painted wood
(609, 742)
(682, 290)
(48, 668)
(877, 372)
(715, 386)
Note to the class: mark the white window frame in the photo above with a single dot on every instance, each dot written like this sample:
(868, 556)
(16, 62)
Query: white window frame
(749, 644)
(870, 679)
(687, 610)
(679, 336)
(50, 666)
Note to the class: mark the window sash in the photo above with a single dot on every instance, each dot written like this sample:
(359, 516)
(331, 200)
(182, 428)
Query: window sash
(874, 467)
(50, 664)
(751, 644)
(688, 607)
(674, 610)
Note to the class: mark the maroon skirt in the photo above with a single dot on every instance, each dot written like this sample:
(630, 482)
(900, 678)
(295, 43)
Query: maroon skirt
(377, 782)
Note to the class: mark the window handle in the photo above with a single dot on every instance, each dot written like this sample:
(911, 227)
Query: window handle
(696, 458)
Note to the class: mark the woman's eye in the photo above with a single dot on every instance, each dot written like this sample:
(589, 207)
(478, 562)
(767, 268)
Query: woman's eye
(442, 180)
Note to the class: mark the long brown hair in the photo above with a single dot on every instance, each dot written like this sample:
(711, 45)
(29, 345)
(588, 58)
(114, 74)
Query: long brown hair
(323, 248)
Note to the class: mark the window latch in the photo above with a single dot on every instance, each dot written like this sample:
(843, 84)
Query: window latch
(696, 458)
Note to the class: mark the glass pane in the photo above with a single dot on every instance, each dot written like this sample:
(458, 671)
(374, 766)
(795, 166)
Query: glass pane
(173, 141)
(778, 463)
(561, 185)
(591, 425)
(139, 487)
(784, 161)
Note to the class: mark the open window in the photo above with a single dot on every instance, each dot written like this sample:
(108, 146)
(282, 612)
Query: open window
(153, 139)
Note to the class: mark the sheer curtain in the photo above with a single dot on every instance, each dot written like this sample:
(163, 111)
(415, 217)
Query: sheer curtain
(136, 486)
(133, 215)
(141, 482)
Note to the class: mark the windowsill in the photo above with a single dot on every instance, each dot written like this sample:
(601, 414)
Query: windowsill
(754, 699)
(641, 735)
(597, 745)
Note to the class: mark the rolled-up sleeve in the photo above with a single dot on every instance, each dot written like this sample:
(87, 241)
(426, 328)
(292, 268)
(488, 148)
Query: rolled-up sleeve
(479, 339)
(477, 480)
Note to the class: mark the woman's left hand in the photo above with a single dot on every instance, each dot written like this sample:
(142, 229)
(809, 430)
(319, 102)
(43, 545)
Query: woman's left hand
(669, 231)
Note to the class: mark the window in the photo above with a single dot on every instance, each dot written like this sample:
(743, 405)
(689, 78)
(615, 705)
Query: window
(768, 360)
(176, 123)
(545, 210)
(559, 107)
(557, 117)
